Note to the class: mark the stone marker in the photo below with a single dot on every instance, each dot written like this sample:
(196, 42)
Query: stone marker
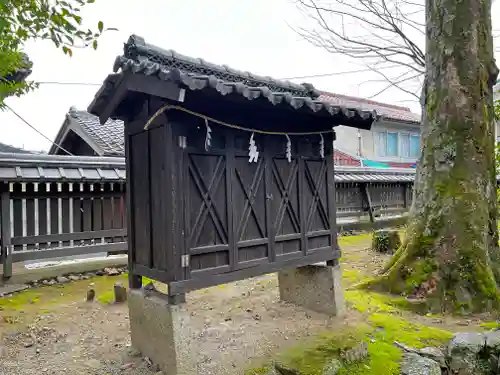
(120, 293)
(90, 295)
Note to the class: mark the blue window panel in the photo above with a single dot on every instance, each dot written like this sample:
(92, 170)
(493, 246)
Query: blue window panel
(405, 145)
(415, 146)
(392, 144)
(382, 144)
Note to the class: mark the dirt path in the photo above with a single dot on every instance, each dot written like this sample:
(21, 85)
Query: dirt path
(231, 324)
(234, 326)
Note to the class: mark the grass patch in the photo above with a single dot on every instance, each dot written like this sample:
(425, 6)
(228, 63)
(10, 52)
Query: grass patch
(354, 240)
(490, 325)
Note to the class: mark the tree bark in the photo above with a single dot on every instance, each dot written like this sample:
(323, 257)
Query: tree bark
(450, 256)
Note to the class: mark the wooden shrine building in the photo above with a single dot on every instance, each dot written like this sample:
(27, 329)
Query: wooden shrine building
(229, 174)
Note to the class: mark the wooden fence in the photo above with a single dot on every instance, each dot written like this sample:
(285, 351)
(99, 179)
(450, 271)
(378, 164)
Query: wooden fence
(62, 206)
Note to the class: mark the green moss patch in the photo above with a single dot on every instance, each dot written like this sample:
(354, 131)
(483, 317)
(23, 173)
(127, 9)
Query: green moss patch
(380, 332)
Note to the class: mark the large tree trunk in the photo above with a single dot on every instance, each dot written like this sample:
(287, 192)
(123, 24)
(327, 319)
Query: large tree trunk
(450, 255)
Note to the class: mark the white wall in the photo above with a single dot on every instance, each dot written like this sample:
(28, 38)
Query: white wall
(347, 140)
(370, 143)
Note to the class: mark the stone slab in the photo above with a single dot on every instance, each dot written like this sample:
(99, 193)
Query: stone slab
(12, 288)
(315, 287)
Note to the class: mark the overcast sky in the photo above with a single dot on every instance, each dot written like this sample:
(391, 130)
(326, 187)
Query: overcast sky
(251, 35)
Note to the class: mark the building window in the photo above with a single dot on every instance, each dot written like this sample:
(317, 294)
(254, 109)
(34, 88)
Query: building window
(382, 144)
(405, 145)
(415, 146)
(392, 144)
(397, 144)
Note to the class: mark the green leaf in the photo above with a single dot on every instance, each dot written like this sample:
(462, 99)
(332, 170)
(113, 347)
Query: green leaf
(94, 44)
(100, 26)
(67, 51)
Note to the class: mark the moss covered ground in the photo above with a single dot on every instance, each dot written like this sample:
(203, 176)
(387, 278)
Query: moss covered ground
(386, 319)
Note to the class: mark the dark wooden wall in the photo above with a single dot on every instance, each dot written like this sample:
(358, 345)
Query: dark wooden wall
(200, 218)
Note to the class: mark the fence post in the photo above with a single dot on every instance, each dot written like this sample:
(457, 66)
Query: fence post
(365, 193)
(405, 195)
(6, 246)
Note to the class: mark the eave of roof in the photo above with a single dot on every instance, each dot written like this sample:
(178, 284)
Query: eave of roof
(385, 111)
(199, 75)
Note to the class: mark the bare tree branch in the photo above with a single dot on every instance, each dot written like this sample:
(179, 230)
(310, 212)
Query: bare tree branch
(381, 33)
(375, 31)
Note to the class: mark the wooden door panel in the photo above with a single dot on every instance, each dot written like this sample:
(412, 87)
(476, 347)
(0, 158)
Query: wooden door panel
(207, 217)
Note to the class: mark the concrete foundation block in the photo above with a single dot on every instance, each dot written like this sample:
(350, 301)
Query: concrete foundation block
(315, 287)
(160, 331)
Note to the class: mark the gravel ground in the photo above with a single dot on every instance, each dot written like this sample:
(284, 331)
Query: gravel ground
(234, 327)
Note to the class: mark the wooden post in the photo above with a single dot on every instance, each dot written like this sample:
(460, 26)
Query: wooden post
(134, 280)
(405, 195)
(365, 192)
(5, 239)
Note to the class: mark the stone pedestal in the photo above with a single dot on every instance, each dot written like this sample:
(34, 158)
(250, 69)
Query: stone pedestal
(160, 331)
(315, 287)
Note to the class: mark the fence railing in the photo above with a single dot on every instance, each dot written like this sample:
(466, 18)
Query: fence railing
(66, 206)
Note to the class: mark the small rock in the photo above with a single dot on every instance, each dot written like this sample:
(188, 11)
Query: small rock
(100, 273)
(434, 354)
(463, 350)
(62, 279)
(28, 344)
(73, 277)
(285, 370)
(131, 352)
(493, 340)
(127, 366)
(45, 282)
(120, 293)
(90, 295)
(52, 282)
(413, 364)
(111, 271)
(3, 351)
(332, 368)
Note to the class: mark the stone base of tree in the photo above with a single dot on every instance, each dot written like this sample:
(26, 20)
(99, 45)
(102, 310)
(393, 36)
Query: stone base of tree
(315, 287)
(159, 331)
(386, 241)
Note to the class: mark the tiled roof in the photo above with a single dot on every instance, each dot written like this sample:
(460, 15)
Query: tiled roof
(199, 75)
(387, 111)
(109, 137)
(57, 168)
